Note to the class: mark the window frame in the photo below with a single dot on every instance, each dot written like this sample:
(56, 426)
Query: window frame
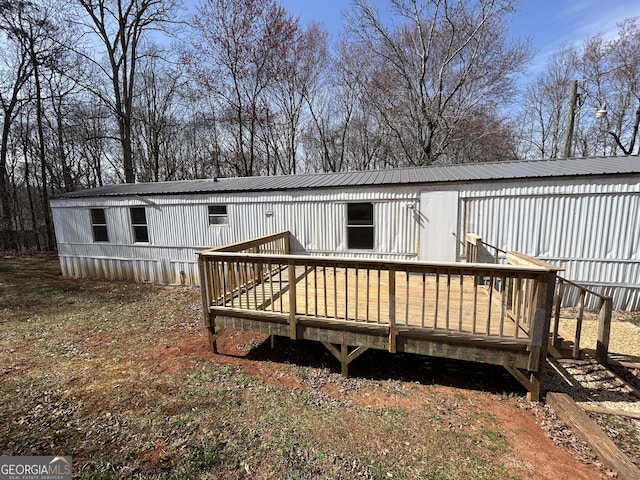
(97, 226)
(354, 224)
(221, 216)
(136, 226)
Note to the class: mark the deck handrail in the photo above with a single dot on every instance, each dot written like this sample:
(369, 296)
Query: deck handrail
(280, 241)
(473, 244)
(604, 318)
(383, 263)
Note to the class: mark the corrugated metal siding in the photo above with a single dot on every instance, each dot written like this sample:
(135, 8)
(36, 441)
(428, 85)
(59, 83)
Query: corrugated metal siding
(590, 226)
(179, 226)
(330, 195)
(594, 232)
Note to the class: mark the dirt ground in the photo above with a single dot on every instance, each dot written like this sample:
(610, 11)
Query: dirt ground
(121, 377)
(532, 446)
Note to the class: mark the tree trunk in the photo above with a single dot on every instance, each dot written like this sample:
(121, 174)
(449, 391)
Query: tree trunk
(9, 240)
(49, 235)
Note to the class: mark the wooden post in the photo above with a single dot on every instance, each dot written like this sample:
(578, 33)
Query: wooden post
(576, 341)
(539, 329)
(287, 243)
(473, 244)
(343, 355)
(204, 293)
(344, 360)
(556, 323)
(604, 329)
(392, 309)
(293, 322)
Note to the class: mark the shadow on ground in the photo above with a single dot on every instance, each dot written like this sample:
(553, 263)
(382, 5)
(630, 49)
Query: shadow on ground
(382, 365)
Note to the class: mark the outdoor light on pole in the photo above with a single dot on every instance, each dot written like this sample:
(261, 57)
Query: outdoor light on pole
(573, 101)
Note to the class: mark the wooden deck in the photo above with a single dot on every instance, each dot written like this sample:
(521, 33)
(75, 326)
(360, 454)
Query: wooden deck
(486, 313)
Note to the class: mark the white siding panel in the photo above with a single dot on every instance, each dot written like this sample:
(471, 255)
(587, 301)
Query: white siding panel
(178, 227)
(311, 196)
(595, 236)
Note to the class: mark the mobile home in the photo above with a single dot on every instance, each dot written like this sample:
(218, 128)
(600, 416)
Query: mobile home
(582, 214)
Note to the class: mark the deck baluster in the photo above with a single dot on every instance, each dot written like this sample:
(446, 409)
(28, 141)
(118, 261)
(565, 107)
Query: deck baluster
(406, 298)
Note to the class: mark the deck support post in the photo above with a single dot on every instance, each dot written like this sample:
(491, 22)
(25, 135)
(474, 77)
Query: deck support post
(344, 361)
(531, 383)
(344, 356)
(213, 336)
(533, 395)
(205, 294)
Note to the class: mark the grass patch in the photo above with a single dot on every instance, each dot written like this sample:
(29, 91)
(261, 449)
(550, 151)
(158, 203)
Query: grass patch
(119, 376)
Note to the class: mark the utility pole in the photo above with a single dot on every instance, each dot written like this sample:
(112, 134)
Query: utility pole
(573, 100)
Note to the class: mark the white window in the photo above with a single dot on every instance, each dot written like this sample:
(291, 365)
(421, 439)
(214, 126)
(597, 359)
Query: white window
(360, 227)
(218, 215)
(99, 225)
(139, 225)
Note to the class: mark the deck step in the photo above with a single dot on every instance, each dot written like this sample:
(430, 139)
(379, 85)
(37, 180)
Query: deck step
(562, 348)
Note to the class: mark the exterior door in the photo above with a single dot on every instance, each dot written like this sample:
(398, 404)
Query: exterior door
(438, 226)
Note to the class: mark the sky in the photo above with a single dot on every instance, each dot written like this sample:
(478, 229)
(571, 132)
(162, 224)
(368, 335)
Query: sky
(550, 24)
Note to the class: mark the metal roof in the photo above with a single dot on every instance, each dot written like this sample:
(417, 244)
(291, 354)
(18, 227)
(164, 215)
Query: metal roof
(470, 172)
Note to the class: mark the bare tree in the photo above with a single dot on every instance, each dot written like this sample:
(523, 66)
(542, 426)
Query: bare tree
(440, 64)
(16, 72)
(607, 74)
(298, 67)
(615, 70)
(156, 121)
(544, 109)
(242, 50)
(120, 26)
(39, 40)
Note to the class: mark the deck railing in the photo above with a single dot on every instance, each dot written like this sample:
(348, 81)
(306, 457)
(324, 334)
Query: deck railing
(604, 318)
(277, 243)
(476, 301)
(474, 247)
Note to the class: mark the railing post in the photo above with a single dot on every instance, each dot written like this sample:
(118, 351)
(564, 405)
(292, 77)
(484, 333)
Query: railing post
(206, 294)
(392, 309)
(539, 329)
(473, 243)
(576, 343)
(204, 290)
(287, 243)
(293, 321)
(604, 329)
(556, 319)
